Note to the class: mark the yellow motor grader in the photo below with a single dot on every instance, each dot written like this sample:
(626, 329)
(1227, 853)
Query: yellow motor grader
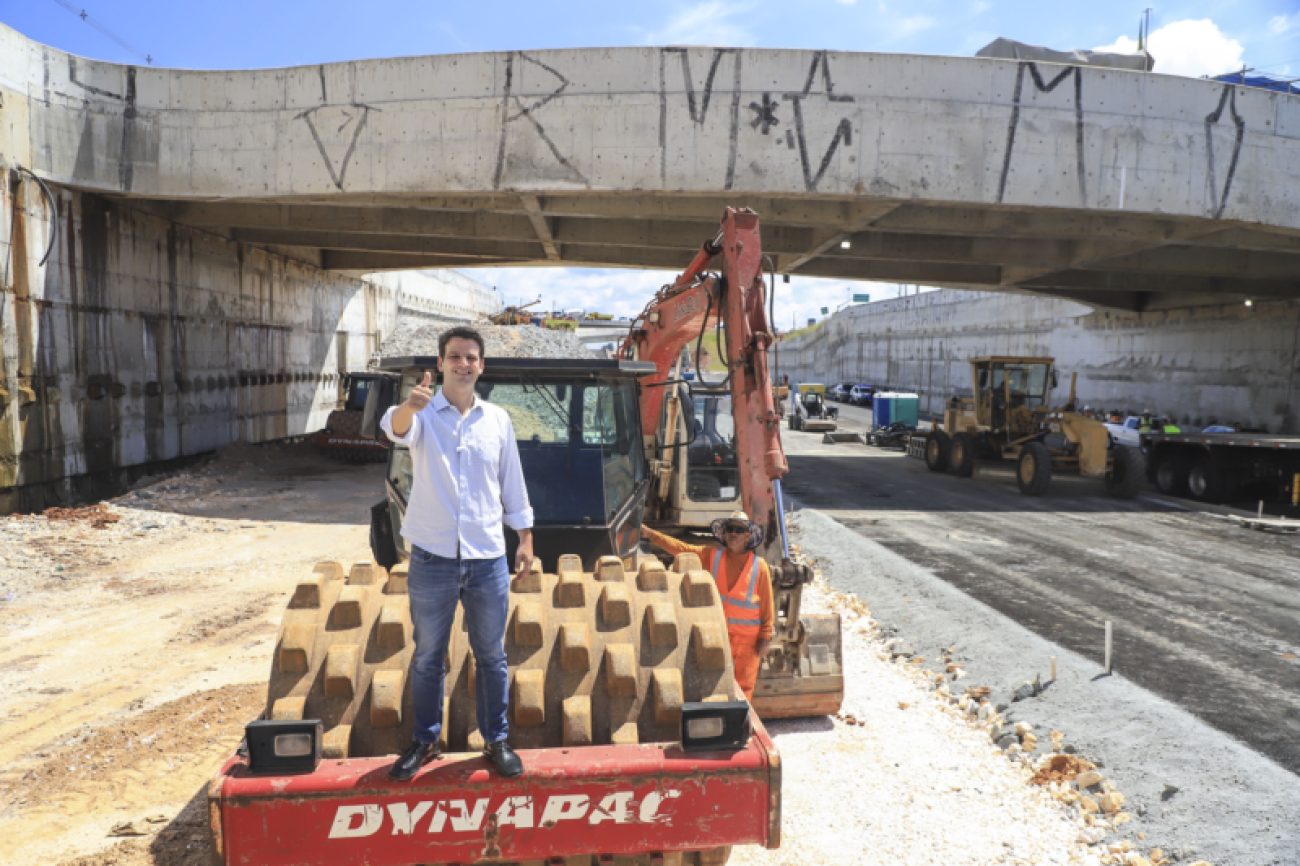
(1007, 417)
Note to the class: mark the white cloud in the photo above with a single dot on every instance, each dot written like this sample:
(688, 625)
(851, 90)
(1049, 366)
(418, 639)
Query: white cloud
(710, 23)
(1279, 24)
(1122, 45)
(979, 7)
(1192, 47)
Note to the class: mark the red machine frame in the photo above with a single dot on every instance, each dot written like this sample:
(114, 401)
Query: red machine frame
(596, 800)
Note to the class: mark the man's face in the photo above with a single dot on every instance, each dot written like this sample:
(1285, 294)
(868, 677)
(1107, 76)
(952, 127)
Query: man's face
(460, 363)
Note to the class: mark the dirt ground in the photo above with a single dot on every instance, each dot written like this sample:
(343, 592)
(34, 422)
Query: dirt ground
(137, 638)
(134, 652)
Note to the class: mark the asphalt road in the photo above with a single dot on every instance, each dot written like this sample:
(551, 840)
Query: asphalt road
(1205, 613)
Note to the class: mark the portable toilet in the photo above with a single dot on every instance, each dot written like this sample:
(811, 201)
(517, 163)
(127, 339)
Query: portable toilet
(890, 406)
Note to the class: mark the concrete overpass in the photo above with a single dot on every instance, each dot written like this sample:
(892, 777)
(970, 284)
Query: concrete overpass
(181, 249)
(1120, 189)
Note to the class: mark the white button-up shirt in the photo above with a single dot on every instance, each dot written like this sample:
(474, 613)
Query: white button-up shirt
(466, 479)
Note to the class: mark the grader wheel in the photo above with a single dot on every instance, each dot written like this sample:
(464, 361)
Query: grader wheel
(595, 658)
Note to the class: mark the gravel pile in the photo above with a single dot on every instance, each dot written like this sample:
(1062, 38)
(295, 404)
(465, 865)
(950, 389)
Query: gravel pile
(503, 341)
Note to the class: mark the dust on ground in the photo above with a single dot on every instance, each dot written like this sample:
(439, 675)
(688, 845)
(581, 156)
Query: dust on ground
(137, 638)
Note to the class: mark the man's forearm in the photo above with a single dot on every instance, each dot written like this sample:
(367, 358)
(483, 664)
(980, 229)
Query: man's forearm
(402, 418)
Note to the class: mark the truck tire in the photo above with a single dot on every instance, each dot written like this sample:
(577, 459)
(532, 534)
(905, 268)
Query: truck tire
(1034, 469)
(936, 451)
(961, 455)
(1128, 468)
(1171, 475)
(1206, 480)
(595, 658)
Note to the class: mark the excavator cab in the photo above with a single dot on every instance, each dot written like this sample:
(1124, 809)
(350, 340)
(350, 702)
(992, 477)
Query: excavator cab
(697, 452)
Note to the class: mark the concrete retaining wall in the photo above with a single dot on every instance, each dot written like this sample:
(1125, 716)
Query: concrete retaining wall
(141, 341)
(1227, 363)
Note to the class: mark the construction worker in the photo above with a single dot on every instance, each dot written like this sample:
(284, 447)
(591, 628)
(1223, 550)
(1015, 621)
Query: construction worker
(744, 583)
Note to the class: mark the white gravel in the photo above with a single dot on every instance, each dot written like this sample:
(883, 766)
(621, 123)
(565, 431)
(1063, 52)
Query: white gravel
(902, 777)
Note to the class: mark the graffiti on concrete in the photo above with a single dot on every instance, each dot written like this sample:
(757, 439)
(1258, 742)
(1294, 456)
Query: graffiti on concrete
(89, 88)
(698, 103)
(1042, 86)
(126, 164)
(765, 113)
(514, 110)
(1227, 99)
(843, 130)
(336, 128)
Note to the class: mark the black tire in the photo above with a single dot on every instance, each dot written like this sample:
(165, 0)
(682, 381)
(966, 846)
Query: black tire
(936, 451)
(961, 455)
(790, 422)
(1034, 469)
(1206, 481)
(1127, 470)
(383, 546)
(1171, 475)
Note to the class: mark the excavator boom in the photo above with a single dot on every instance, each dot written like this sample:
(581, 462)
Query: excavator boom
(802, 674)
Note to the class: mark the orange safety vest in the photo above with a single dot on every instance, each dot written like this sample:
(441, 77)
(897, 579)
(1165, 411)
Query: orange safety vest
(740, 604)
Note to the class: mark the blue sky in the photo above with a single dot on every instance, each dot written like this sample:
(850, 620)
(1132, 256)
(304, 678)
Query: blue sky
(1194, 37)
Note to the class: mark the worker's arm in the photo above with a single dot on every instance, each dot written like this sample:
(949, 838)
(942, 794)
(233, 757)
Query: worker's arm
(766, 609)
(674, 546)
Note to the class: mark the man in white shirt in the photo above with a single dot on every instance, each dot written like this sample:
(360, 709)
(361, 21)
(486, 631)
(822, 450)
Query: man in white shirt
(466, 482)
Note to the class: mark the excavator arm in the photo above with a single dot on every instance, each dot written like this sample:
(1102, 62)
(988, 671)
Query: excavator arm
(676, 317)
(802, 673)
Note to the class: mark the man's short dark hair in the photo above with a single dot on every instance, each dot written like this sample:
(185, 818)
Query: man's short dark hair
(461, 332)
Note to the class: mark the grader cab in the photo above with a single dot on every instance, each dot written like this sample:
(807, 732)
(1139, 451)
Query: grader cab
(1008, 417)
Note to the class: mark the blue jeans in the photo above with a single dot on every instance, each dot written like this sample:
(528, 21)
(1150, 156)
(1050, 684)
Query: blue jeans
(435, 585)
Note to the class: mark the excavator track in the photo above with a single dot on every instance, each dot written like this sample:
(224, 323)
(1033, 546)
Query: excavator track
(595, 657)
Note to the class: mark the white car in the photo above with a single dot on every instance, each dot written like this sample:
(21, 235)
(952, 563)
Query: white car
(1126, 433)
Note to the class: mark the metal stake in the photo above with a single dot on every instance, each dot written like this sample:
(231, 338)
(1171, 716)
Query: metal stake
(1108, 646)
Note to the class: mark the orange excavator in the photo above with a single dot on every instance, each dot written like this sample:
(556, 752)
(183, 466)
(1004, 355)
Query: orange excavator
(696, 468)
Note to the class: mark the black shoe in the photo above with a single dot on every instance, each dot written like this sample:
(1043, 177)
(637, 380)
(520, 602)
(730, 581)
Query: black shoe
(504, 759)
(416, 755)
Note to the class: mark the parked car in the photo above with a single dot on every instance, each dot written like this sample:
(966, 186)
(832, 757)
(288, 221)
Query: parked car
(840, 393)
(860, 395)
(1126, 433)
